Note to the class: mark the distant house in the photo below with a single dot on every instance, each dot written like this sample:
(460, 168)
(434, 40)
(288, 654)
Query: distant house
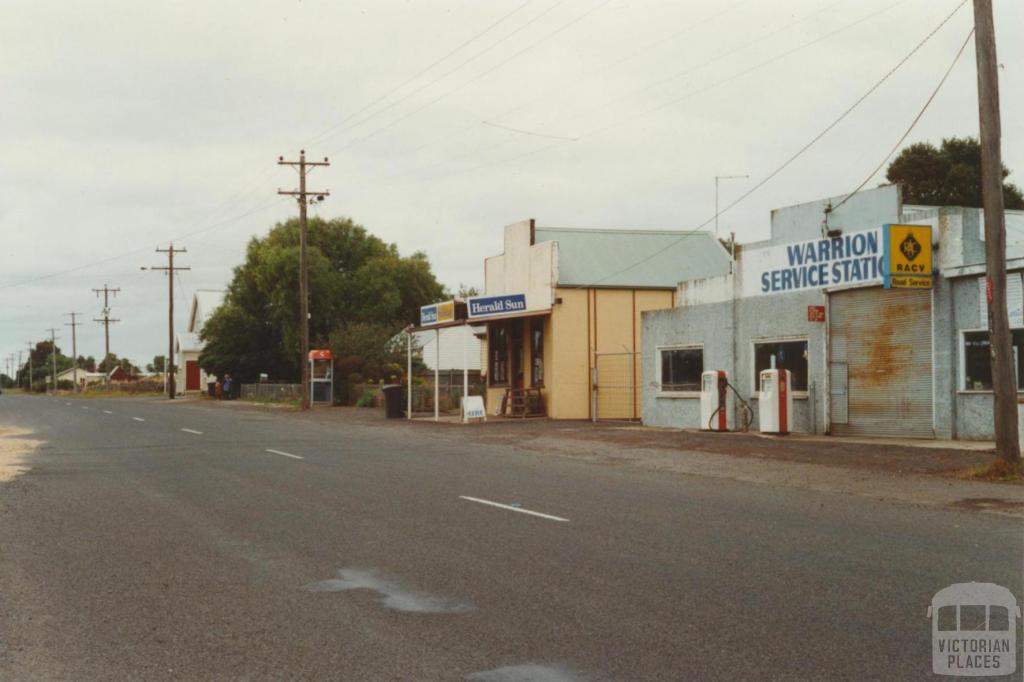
(85, 377)
(187, 346)
(119, 374)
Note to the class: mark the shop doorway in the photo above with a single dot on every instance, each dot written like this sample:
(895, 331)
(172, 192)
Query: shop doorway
(880, 365)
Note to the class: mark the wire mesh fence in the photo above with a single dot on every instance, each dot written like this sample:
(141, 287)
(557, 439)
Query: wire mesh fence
(281, 392)
(616, 385)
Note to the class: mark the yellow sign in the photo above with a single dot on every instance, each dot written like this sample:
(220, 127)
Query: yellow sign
(446, 311)
(908, 256)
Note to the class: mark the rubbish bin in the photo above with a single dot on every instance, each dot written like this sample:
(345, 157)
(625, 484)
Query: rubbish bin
(394, 401)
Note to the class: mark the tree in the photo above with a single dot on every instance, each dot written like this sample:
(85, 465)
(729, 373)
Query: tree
(357, 283)
(947, 176)
(87, 363)
(157, 366)
(111, 361)
(42, 365)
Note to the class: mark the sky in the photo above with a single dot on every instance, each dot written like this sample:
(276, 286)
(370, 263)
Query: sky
(128, 125)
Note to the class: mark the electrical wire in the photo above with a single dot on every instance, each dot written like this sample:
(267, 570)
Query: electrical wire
(614, 124)
(339, 127)
(133, 252)
(913, 123)
(795, 156)
(531, 46)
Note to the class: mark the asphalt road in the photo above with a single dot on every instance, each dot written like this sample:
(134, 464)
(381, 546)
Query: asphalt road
(169, 541)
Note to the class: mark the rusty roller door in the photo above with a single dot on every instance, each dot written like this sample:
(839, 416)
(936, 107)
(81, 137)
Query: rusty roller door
(881, 348)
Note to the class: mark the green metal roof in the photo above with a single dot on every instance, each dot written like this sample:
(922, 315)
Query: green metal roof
(634, 258)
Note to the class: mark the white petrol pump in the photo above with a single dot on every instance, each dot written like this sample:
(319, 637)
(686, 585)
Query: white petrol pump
(775, 401)
(717, 404)
(321, 377)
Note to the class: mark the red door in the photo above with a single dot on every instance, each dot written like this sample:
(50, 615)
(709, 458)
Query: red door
(191, 375)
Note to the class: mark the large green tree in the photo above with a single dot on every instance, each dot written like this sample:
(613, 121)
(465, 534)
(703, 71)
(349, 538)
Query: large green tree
(357, 283)
(949, 175)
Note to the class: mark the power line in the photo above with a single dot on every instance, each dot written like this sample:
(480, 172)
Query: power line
(500, 64)
(529, 132)
(602, 129)
(799, 153)
(913, 123)
(340, 124)
(121, 255)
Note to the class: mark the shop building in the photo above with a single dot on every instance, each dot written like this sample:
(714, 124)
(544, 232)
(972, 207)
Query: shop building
(563, 311)
(865, 360)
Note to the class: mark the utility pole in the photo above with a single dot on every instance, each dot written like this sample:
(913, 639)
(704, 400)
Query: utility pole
(302, 196)
(723, 177)
(1004, 378)
(53, 355)
(170, 269)
(74, 346)
(29, 344)
(106, 319)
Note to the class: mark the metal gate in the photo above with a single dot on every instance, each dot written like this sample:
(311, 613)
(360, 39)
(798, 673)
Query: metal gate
(615, 386)
(880, 371)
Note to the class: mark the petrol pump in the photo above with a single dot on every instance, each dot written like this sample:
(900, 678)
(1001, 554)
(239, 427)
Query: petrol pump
(321, 377)
(775, 401)
(717, 405)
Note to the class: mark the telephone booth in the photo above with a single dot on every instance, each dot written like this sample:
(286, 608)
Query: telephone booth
(321, 377)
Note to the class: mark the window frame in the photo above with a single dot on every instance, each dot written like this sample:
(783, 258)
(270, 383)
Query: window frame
(536, 352)
(491, 367)
(961, 379)
(754, 343)
(661, 392)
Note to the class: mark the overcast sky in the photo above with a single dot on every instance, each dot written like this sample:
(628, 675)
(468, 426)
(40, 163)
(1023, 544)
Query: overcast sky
(126, 124)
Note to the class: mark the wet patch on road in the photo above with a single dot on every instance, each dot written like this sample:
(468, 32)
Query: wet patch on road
(526, 673)
(393, 595)
(14, 446)
(989, 504)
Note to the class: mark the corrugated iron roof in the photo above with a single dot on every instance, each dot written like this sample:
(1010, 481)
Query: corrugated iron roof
(634, 258)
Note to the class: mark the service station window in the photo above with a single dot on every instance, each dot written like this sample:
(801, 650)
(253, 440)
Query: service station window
(681, 369)
(977, 360)
(498, 352)
(789, 355)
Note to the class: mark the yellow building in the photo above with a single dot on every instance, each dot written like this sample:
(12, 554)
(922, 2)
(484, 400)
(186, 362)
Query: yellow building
(562, 308)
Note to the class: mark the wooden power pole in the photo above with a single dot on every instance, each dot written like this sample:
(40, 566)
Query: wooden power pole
(106, 320)
(74, 346)
(170, 269)
(302, 196)
(30, 348)
(1004, 377)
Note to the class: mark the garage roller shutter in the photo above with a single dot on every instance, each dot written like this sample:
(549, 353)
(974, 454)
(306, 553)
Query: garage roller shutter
(884, 339)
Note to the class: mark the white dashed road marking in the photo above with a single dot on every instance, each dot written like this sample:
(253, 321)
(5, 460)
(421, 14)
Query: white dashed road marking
(515, 509)
(198, 433)
(284, 454)
(138, 419)
(107, 412)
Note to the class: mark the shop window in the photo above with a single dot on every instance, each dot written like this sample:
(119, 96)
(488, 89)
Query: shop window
(977, 358)
(497, 347)
(681, 369)
(537, 352)
(789, 355)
